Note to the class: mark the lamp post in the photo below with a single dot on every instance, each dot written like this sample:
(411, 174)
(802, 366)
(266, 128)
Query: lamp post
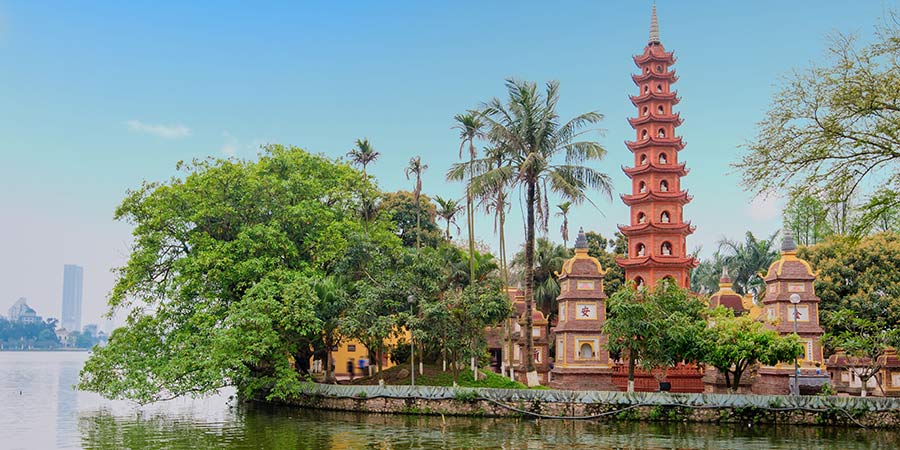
(412, 349)
(795, 300)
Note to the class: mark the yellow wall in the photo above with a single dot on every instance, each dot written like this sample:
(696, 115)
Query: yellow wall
(344, 353)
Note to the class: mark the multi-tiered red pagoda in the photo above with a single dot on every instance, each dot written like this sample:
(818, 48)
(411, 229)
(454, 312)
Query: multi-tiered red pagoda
(657, 233)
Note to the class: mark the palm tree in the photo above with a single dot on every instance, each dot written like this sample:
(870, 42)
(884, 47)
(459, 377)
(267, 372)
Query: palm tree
(363, 155)
(527, 130)
(548, 260)
(417, 168)
(564, 228)
(748, 261)
(470, 127)
(494, 201)
(447, 210)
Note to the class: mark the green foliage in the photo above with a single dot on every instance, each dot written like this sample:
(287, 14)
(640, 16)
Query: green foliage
(656, 328)
(528, 141)
(858, 275)
(400, 208)
(607, 252)
(733, 344)
(863, 340)
(19, 335)
(219, 288)
(548, 260)
(746, 262)
(833, 125)
(807, 218)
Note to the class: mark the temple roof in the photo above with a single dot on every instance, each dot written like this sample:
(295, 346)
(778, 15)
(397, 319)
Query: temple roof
(654, 167)
(654, 75)
(658, 261)
(789, 266)
(654, 27)
(651, 141)
(678, 197)
(665, 118)
(581, 265)
(650, 227)
(672, 96)
(726, 296)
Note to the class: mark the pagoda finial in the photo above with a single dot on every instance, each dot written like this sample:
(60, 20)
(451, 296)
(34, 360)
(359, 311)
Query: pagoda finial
(725, 278)
(581, 242)
(654, 27)
(787, 243)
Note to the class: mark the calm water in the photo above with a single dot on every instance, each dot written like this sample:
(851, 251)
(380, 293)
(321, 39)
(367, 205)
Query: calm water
(40, 410)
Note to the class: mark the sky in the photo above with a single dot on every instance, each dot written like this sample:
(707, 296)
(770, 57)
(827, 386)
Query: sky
(96, 97)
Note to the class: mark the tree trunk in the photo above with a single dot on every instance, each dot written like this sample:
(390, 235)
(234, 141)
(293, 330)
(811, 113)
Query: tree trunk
(329, 360)
(470, 210)
(736, 383)
(365, 194)
(630, 373)
(418, 226)
(727, 375)
(531, 374)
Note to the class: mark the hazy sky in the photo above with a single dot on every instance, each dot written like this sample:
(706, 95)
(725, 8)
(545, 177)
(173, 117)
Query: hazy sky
(97, 96)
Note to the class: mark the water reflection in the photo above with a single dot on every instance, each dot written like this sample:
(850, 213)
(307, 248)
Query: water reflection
(48, 413)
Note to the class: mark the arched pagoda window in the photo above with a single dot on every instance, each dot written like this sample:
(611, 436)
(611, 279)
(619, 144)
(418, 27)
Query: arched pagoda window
(638, 282)
(660, 110)
(663, 159)
(642, 217)
(643, 134)
(664, 186)
(645, 111)
(587, 351)
(641, 250)
(661, 133)
(642, 187)
(658, 88)
(664, 217)
(643, 159)
(646, 89)
(666, 249)
(659, 68)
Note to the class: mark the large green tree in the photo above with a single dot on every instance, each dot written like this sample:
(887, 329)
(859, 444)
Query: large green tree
(807, 218)
(539, 154)
(548, 261)
(861, 275)
(655, 328)
(219, 288)
(863, 340)
(834, 125)
(414, 221)
(734, 344)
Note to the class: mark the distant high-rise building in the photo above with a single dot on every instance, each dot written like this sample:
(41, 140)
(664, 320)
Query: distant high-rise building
(73, 277)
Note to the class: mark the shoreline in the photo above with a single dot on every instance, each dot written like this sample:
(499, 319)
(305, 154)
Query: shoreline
(602, 406)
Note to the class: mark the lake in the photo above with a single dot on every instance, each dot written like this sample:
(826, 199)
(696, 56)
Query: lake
(39, 409)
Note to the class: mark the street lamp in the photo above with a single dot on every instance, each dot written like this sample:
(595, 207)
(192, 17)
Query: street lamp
(795, 300)
(412, 349)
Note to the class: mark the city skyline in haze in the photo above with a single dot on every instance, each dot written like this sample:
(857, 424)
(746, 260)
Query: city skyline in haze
(100, 97)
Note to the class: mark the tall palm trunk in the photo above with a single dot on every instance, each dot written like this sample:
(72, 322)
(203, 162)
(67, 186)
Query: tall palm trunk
(365, 195)
(418, 225)
(531, 375)
(470, 209)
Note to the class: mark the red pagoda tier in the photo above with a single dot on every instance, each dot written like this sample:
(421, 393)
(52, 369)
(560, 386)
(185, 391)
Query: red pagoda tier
(657, 232)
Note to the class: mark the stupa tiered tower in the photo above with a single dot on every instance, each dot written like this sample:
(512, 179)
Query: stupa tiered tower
(657, 232)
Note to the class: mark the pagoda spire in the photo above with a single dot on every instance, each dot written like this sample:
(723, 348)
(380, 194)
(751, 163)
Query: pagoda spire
(654, 27)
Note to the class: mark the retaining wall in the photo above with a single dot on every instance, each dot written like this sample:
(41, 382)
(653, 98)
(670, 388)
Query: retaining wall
(603, 405)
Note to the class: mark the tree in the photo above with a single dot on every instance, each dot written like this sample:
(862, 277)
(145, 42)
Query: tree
(564, 228)
(413, 222)
(597, 247)
(494, 201)
(218, 288)
(807, 218)
(861, 275)
(471, 127)
(527, 132)
(863, 340)
(748, 261)
(363, 155)
(881, 213)
(734, 344)
(655, 328)
(548, 261)
(835, 124)
(705, 277)
(331, 306)
(447, 210)
(416, 168)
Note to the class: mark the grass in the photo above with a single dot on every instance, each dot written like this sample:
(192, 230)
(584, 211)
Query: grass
(433, 376)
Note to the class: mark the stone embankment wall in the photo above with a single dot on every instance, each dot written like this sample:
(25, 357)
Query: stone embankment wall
(603, 405)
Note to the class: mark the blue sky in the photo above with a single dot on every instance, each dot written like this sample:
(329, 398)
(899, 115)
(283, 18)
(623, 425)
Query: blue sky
(97, 96)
